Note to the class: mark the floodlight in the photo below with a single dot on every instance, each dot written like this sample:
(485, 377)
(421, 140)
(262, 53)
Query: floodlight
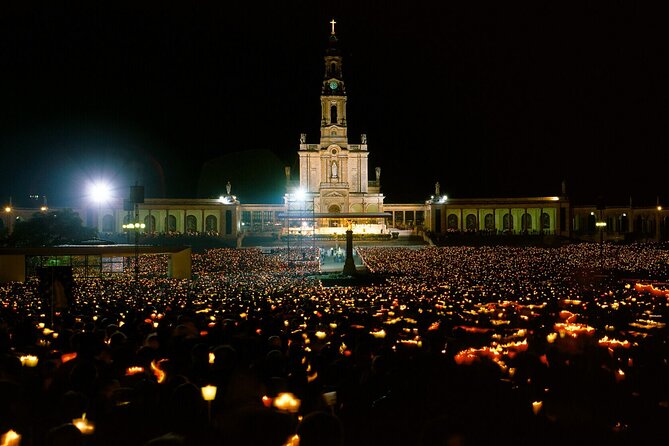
(300, 194)
(100, 192)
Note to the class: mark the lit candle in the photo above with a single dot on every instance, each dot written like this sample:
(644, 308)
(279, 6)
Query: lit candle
(536, 407)
(134, 370)
(379, 334)
(620, 375)
(157, 371)
(212, 357)
(85, 426)
(11, 438)
(209, 393)
(293, 441)
(29, 360)
(287, 402)
(68, 357)
(320, 335)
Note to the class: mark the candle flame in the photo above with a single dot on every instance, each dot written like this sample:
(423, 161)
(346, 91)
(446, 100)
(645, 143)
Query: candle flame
(11, 438)
(293, 441)
(157, 371)
(29, 360)
(536, 407)
(287, 401)
(85, 426)
(209, 393)
(68, 357)
(134, 370)
(380, 334)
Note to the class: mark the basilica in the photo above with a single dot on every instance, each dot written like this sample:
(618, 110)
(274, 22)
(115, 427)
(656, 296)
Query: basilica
(337, 190)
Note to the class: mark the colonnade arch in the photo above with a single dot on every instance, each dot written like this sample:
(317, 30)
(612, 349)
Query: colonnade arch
(191, 223)
(211, 223)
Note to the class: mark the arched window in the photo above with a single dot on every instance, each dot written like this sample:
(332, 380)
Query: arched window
(471, 222)
(526, 222)
(507, 222)
(452, 221)
(545, 221)
(150, 224)
(333, 69)
(108, 223)
(170, 223)
(333, 114)
(191, 223)
(334, 209)
(211, 223)
(489, 221)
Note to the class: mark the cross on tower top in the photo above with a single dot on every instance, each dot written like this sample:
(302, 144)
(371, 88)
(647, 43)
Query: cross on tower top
(333, 23)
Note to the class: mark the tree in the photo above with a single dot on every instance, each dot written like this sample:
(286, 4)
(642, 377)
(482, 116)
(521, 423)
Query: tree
(49, 229)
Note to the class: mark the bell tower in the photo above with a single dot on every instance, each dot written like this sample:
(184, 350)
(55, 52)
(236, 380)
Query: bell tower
(333, 96)
(334, 174)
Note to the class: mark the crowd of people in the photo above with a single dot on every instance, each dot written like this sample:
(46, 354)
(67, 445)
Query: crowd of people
(455, 346)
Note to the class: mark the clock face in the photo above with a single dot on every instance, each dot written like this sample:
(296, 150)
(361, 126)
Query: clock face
(333, 85)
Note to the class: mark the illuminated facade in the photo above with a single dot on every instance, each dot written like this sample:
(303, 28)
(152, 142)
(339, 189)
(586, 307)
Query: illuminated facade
(334, 190)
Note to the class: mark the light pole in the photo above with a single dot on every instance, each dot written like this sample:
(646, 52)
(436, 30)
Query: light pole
(136, 227)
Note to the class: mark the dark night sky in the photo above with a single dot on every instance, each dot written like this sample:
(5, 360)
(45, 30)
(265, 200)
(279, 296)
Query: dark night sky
(500, 100)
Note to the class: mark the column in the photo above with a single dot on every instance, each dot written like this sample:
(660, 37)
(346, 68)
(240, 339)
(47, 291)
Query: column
(525, 217)
(630, 221)
(494, 219)
(511, 225)
(541, 227)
